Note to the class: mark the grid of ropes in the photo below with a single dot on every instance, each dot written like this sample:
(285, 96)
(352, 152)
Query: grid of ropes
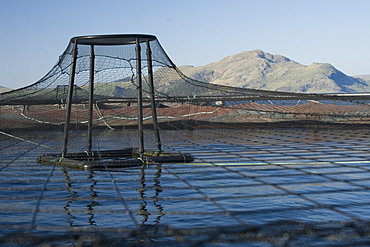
(276, 186)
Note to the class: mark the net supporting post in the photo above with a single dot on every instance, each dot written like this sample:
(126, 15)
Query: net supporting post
(152, 96)
(69, 97)
(91, 99)
(139, 98)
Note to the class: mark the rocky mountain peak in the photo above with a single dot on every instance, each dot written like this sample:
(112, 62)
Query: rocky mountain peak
(255, 55)
(262, 70)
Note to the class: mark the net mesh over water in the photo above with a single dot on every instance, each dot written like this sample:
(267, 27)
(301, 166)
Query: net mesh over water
(272, 187)
(307, 184)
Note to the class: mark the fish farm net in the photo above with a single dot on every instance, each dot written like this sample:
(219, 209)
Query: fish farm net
(116, 146)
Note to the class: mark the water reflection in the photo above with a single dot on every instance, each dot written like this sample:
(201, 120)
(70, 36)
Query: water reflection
(143, 211)
(142, 208)
(158, 190)
(75, 196)
(149, 202)
(93, 195)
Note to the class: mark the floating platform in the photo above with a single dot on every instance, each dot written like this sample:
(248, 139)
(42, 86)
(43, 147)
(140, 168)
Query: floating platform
(106, 159)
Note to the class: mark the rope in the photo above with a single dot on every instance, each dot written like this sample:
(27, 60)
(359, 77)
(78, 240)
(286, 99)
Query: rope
(102, 117)
(22, 139)
(37, 120)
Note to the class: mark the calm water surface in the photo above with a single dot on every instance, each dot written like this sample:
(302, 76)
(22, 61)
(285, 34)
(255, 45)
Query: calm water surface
(239, 177)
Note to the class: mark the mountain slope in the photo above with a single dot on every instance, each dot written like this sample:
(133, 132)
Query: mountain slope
(4, 89)
(262, 70)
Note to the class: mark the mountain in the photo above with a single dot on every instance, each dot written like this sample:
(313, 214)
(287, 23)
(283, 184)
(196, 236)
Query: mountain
(261, 70)
(366, 78)
(4, 89)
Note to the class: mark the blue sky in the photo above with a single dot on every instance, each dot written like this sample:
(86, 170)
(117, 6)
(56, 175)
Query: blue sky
(33, 33)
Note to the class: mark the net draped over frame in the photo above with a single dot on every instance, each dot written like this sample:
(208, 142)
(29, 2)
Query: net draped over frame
(279, 186)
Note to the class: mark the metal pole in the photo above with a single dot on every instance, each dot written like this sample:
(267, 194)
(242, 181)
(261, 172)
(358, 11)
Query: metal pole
(139, 98)
(91, 99)
(152, 96)
(69, 98)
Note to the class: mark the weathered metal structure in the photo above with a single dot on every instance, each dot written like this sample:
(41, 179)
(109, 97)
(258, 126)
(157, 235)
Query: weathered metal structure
(111, 158)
